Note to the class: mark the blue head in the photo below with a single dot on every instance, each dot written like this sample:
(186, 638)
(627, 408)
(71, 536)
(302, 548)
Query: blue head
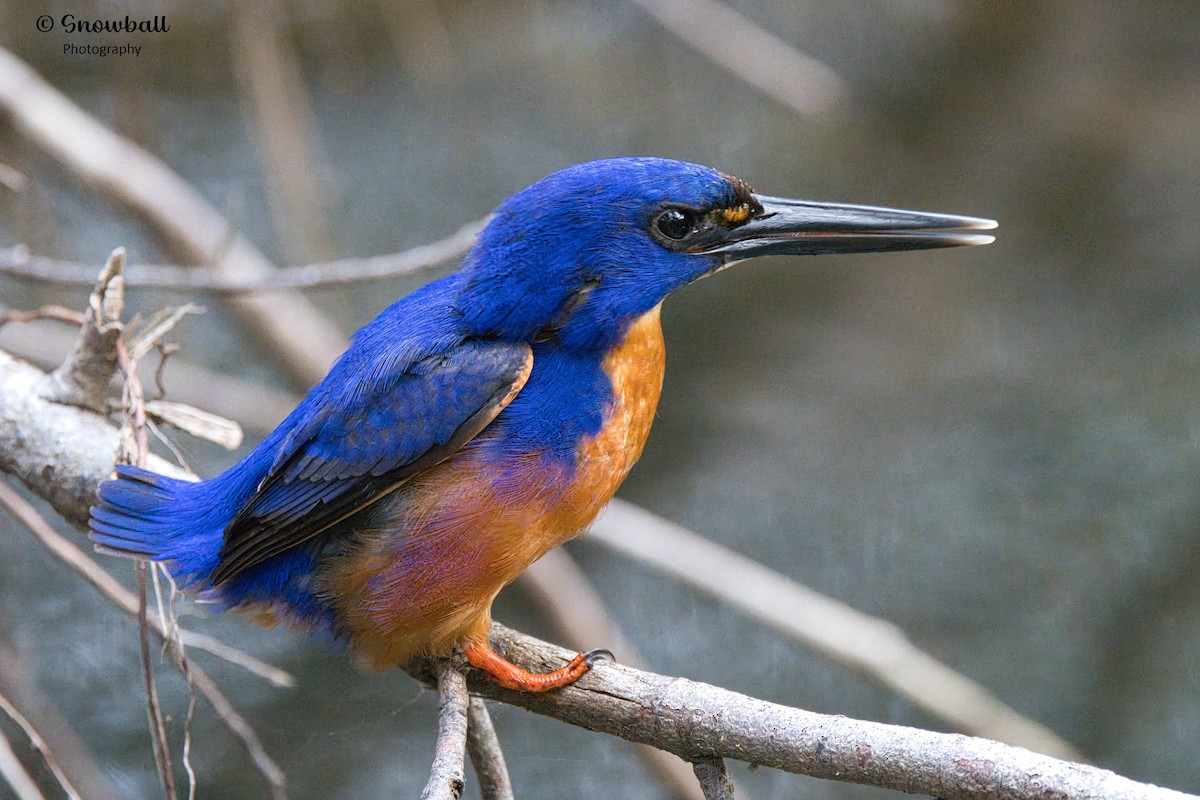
(583, 252)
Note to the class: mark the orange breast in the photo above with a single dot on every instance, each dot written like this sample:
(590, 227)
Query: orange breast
(465, 533)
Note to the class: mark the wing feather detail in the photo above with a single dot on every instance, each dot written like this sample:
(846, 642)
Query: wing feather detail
(365, 443)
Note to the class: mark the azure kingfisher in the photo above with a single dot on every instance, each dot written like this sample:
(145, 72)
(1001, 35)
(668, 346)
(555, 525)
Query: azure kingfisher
(481, 420)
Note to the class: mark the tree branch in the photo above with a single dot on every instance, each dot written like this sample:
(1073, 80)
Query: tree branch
(698, 721)
(567, 597)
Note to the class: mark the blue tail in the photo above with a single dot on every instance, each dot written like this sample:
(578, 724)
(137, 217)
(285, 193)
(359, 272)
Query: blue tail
(141, 513)
(146, 515)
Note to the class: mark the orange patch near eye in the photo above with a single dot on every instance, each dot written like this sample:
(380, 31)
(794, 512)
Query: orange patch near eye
(736, 214)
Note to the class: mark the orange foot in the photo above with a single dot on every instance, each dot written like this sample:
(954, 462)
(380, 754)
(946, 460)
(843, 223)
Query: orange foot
(509, 675)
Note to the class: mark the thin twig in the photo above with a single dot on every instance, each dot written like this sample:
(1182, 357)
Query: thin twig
(872, 646)
(80, 562)
(169, 620)
(19, 262)
(58, 313)
(158, 727)
(41, 745)
(268, 672)
(714, 778)
(14, 774)
(483, 745)
(447, 777)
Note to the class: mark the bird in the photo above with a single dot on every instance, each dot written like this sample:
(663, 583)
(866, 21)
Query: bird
(481, 420)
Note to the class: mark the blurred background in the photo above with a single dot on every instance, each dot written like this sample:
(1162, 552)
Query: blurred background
(996, 449)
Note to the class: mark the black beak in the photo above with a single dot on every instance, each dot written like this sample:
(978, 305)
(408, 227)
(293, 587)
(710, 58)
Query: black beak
(802, 227)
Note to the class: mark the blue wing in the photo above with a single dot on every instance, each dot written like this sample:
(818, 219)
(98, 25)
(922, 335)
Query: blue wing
(377, 423)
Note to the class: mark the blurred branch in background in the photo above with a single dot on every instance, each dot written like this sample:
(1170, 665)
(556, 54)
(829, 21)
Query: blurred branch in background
(15, 775)
(65, 755)
(19, 262)
(858, 641)
(279, 107)
(121, 169)
(78, 761)
(753, 54)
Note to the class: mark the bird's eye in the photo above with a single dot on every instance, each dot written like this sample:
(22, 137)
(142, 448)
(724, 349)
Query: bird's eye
(675, 223)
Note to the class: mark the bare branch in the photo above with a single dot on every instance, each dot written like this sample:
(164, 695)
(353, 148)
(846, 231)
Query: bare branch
(754, 54)
(83, 378)
(18, 262)
(215, 647)
(134, 429)
(714, 778)
(61, 452)
(872, 646)
(197, 422)
(447, 779)
(483, 745)
(696, 720)
(169, 620)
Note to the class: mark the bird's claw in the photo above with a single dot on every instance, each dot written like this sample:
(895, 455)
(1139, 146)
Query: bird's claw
(590, 657)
